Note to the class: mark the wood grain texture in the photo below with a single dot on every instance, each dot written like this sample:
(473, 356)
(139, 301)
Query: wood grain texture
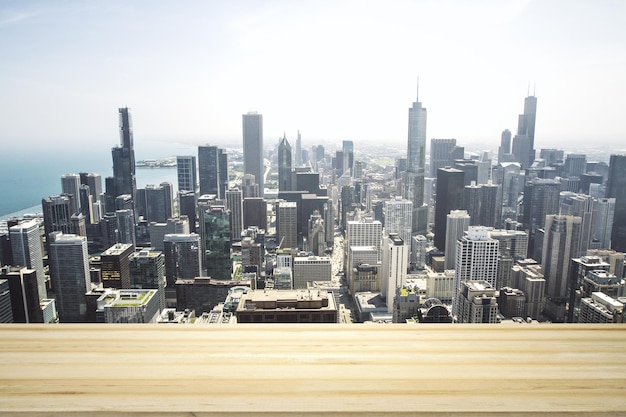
(434, 370)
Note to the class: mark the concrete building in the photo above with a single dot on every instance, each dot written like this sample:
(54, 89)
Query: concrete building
(297, 306)
(365, 277)
(418, 252)
(127, 306)
(601, 308)
(310, 268)
(476, 259)
(6, 311)
(512, 302)
(457, 223)
(477, 303)
(440, 285)
(398, 217)
(394, 268)
(180, 225)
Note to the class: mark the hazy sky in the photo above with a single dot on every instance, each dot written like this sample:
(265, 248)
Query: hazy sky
(333, 69)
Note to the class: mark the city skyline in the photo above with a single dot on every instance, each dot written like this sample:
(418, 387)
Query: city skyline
(188, 71)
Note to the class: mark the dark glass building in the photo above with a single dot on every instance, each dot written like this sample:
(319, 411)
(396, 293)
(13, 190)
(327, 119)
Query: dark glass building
(450, 184)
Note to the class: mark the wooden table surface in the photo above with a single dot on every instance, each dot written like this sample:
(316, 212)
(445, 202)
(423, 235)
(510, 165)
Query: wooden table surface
(313, 369)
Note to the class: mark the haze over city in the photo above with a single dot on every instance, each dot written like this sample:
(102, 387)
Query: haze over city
(333, 70)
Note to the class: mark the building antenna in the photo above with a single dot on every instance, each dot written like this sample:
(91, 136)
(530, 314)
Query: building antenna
(417, 95)
(528, 90)
(534, 88)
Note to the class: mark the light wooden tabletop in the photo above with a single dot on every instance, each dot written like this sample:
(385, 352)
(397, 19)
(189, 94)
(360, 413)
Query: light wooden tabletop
(434, 370)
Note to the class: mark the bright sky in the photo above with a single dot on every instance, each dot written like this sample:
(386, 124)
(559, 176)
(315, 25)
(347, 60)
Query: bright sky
(333, 69)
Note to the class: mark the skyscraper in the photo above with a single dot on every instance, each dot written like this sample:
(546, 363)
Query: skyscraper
(441, 154)
(234, 204)
(449, 197)
(398, 218)
(186, 170)
(159, 202)
(394, 268)
(253, 147)
(215, 233)
(505, 146)
(287, 224)
(182, 257)
(27, 251)
(560, 245)
(69, 271)
(70, 184)
(115, 272)
(602, 223)
(616, 188)
(147, 271)
(348, 156)
(457, 223)
(476, 258)
(526, 129)
(541, 198)
(124, 158)
(284, 165)
(213, 169)
(416, 162)
(299, 150)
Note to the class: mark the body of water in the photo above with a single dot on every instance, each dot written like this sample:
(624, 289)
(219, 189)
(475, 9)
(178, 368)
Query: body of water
(25, 181)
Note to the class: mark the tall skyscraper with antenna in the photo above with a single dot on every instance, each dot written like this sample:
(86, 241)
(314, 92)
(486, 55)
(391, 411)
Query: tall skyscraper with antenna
(416, 162)
(124, 158)
(524, 141)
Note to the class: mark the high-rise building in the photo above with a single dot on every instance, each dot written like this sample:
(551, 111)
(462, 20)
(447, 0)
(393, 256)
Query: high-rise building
(6, 312)
(115, 270)
(298, 151)
(70, 184)
(457, 223)
(94, 182)
(366, 232)
(601, 308)
(476, 258)
(316, 234)
(187, 207)
(125, 226)
(254, 213)
(575, 165)
(616, 188)
(159, 202)
(183, 256)
(25, 298)
(394, 268)
(513, 246)
(234, 204)
(147, 271)
(526, 124)
(284, 165)
(541, 198)
(398, 218)
(310, 268)
(253, 148)
(560, 246)
(57, 214)
(249, 187)
(186, 170)
(348, 157)
(441, 155)
(415, 166)
(586, 275)
(213, 170)
(69, 271)
(477, 303)
(287, 224)
(602, 223)
(450, 183)
(124, 158)
(28, 252)
(504, 151)
(216, 238)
